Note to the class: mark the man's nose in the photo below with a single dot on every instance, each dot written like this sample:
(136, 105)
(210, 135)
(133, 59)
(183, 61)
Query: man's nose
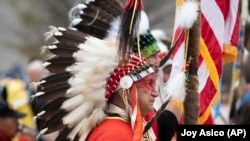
(155, 93)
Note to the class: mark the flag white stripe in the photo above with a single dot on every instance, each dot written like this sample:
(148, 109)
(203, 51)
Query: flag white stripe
(213, 15)
(203, 75)
(230, 21)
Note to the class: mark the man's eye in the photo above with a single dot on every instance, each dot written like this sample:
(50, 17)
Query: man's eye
(150, 83)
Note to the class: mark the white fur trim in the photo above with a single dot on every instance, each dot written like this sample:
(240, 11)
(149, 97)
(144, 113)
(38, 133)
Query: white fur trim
(176, 87)
(114, 29)
(144, 23)
(187, 14)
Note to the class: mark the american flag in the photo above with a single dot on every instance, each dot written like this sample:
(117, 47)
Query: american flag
(218, 45)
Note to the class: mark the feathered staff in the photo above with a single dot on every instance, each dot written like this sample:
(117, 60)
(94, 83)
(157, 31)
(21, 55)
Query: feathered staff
(191, 102)
(189, 20)
(129, 25)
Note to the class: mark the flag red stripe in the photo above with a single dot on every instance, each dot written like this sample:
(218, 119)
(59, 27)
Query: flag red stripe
(182, 38)
(207, 95)
(224, 7)
(212, 44)
(235, 36)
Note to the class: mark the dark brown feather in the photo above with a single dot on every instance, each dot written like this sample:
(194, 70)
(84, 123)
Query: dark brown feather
(59, 64)
(71, 37)
(77, 137)
(90, 21)
(64, 49)
(113, 7)
(92, 30)
(97, 13)
(126, 38)
(52, 107)
(97, 17)
(54, 79)
(54, 92)
(56, 121)
(63, 135)
(108, 9)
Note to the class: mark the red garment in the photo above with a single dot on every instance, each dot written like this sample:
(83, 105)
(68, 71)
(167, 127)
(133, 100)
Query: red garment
(24, 139)
(2, 138)
(112, 129)
(148, 117)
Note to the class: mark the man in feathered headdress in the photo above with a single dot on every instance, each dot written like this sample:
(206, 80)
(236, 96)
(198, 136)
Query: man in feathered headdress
(95, 92)
(146, 45)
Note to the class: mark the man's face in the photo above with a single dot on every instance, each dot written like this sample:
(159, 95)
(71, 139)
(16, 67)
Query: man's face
(34, 74)
(9, 126)
(155, 61)
(146, 93)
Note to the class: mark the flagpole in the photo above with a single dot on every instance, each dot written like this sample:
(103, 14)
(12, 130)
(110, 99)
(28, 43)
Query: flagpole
(192, 99)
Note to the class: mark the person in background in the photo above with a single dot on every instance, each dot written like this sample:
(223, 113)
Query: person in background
(10, 127)
(234, 102)
(222, 116)
(35, 72)
(243, 107)
(18, 98)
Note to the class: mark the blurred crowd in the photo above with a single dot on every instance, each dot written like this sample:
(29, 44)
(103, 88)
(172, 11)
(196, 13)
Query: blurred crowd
(17, 108)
